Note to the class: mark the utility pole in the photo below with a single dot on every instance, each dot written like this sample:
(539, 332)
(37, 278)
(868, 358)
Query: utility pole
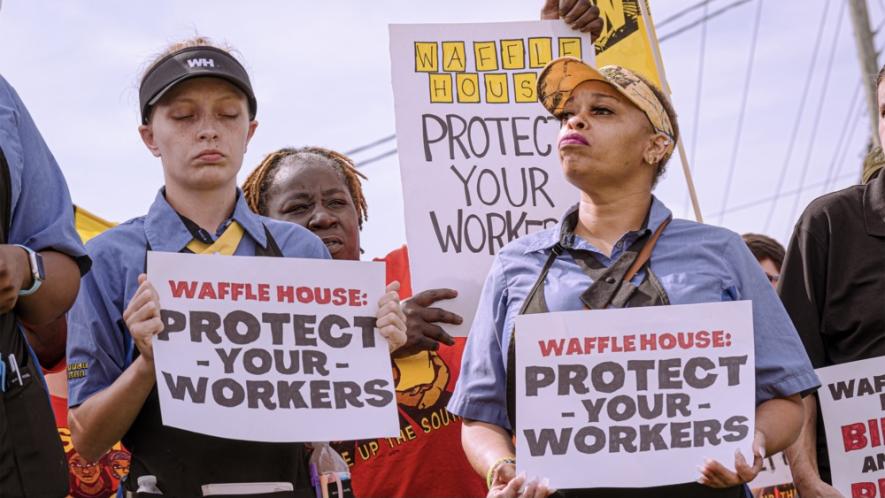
(869, 66)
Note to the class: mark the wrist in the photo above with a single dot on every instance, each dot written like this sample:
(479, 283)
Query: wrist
(22, 265)
(491, 474)
(31, 272)
(144, 365)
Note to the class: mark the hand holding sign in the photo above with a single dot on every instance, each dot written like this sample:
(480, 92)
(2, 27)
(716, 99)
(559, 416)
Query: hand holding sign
(421, 330)
(581, 15)
(391, 320)
(519, 488)
(142, 317)
(716, 475)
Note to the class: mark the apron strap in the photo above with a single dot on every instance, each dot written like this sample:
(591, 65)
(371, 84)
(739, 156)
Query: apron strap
(534, 303)
(595, 297)
(645, 252)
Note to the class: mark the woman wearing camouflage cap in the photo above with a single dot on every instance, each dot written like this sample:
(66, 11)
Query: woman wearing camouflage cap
(617, 133)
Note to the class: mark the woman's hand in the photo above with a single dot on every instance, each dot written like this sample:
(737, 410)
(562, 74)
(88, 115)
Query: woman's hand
(142, 317)
(510, 487)
(580, 15)
(391, 320)
(715, 475)
(422, 331)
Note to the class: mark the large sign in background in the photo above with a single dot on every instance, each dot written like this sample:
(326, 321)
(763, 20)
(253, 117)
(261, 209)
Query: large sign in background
(477, 152)
(272, 349)
(852, 402)
(634, 397)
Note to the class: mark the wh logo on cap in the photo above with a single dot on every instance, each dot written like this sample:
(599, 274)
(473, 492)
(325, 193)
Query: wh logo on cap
(201, 62)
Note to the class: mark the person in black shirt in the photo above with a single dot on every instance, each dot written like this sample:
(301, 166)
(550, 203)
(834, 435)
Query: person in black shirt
(832, 283)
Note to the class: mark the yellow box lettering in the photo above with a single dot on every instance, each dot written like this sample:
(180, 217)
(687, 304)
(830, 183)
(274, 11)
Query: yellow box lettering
(486, 56)
(441, 88)
(512, 54)
(570, 47)
(525, 87)
(540, 51)
(468, 87)
(454, 58)
(426, 60)
(496, 88)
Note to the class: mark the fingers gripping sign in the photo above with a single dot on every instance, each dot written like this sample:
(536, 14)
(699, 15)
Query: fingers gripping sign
(716, 475)
(422, 331)
(580, 15)
(521, 487)
(142, 317)
(391, 320)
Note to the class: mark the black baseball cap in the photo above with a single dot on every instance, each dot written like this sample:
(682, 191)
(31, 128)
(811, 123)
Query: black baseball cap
(193, 62)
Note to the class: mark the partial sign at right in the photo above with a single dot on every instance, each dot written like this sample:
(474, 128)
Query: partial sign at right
(852, 400)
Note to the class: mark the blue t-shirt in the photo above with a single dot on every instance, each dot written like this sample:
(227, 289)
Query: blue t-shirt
(99, 344)
(42, 216)
(695, 263)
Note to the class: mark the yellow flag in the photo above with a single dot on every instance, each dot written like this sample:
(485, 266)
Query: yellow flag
(628, 39)
(89, 225)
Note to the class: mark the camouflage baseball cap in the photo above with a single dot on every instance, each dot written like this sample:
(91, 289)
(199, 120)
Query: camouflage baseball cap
(563, 75)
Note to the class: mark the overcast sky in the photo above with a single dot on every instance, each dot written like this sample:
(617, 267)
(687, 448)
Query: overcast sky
(322, 76)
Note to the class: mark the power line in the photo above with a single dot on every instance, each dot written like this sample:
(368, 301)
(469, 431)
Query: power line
(703, 3)
(740, 126)
(819, 110)
(376, 158)
(701, 20)
(370, 145)
(854, 109)
(851, 136)
(798, 122)
(766, 200)
(697, 101)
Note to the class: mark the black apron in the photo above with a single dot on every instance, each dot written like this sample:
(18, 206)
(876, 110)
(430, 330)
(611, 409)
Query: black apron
(32, 460)
(183, 461)
(611, 288)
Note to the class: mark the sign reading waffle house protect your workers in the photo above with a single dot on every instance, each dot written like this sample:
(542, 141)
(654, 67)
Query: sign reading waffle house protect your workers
(477, 152)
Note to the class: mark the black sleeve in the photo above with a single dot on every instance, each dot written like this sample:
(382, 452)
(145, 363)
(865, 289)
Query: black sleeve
(802, 288)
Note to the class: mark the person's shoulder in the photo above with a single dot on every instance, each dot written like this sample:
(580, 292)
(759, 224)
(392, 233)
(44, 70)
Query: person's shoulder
(5, 88)
(293, 239)
(121, 239)
(398, 255)
(835, 206)
(694, 231)
(535, 241)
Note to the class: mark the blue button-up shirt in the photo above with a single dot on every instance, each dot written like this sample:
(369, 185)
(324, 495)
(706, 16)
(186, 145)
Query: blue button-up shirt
(42, 216)
(98, 340)
(695, 263)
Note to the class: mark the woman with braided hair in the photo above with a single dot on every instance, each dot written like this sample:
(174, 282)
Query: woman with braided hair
(321, 190)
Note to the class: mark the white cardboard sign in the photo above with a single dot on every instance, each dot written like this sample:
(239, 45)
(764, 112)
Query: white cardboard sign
(601, 394)
(272, 349)
(852, 401)
(477, 152)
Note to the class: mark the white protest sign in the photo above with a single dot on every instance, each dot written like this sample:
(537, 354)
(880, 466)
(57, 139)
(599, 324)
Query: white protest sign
(658, 388)
(477, 152)
(272, 349)
(852, 402)
(775, 472)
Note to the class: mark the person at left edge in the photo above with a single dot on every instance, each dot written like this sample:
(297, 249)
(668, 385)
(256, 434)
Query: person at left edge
(198, 115)
(41, 261)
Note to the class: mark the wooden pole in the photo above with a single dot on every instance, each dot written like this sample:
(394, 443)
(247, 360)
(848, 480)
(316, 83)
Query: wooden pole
(659, 63)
